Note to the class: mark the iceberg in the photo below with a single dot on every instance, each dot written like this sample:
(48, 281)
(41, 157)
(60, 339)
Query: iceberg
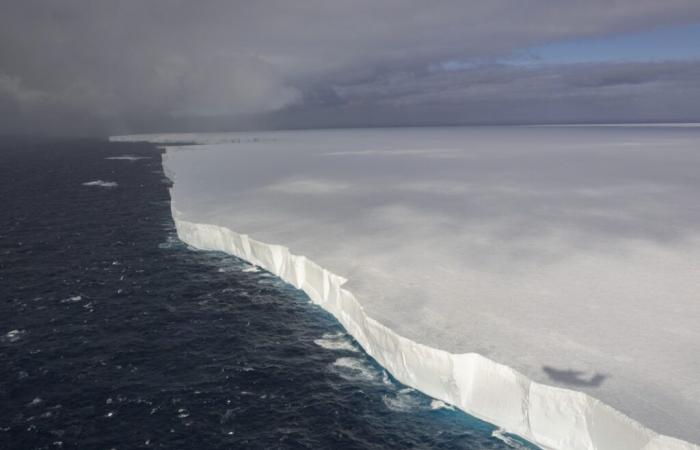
(544, 279)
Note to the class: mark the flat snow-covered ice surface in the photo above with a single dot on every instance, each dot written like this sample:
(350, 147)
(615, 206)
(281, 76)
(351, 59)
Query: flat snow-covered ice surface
(571, 254)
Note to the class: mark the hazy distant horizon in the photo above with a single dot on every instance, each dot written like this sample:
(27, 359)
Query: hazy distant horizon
(30, 135)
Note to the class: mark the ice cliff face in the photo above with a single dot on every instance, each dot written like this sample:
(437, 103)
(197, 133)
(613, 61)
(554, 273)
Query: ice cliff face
(579, 245)
(548, 416)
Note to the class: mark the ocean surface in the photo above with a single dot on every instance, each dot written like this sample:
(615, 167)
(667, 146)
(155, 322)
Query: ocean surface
(113, 334)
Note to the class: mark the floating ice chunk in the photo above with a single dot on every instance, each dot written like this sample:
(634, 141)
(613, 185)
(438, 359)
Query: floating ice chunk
(101, 183)
(251, 269)
(437, 404)
(130, 158)
(13, 336)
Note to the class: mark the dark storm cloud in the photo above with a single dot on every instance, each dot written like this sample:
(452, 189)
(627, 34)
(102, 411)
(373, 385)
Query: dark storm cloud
(497, 94)
(118, 66)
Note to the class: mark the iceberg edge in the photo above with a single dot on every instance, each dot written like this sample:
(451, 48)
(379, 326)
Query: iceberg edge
(548, 416)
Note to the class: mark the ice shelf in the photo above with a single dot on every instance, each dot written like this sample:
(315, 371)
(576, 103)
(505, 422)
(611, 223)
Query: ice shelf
(546, 280)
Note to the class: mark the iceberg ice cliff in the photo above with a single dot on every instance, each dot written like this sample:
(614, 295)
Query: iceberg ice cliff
(543, 279)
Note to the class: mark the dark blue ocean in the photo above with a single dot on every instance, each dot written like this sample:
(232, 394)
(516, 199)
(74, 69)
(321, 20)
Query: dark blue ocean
(114, 335)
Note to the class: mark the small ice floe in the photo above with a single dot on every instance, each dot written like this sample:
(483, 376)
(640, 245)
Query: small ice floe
(337, 341)
(72, 299)
(403, 401)
(101, 183)
(250, 269)
(130, 158)
(437, 404)
(13, 336)
(354, 369)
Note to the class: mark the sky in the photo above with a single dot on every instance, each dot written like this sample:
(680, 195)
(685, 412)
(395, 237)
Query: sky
(99, 67)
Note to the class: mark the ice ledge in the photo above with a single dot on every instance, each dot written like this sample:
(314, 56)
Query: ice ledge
(550, 417)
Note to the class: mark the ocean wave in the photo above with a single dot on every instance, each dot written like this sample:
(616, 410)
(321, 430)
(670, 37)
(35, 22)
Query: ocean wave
(101, 183)
(354, 369)
(502, 436)
(13, 336)
(72, 299)
(403, 401)
(130, 158)
(338, 341)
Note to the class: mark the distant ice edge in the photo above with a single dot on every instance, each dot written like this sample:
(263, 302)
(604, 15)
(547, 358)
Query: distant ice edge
(550, 417)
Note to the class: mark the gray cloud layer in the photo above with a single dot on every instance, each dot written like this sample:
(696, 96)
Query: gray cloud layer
(117, 66)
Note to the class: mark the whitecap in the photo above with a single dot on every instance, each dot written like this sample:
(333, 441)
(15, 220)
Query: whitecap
(169, 243)
(403, 402)
(502, 436)
(13, 336)
(353, 369)
(72, 299)
(385, 378)
(101, 183)
(337, 341)
(251, 269)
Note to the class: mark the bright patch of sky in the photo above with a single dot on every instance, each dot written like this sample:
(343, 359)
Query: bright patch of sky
(662, 44)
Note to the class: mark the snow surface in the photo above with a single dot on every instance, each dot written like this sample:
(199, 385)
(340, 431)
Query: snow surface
(570, 254)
